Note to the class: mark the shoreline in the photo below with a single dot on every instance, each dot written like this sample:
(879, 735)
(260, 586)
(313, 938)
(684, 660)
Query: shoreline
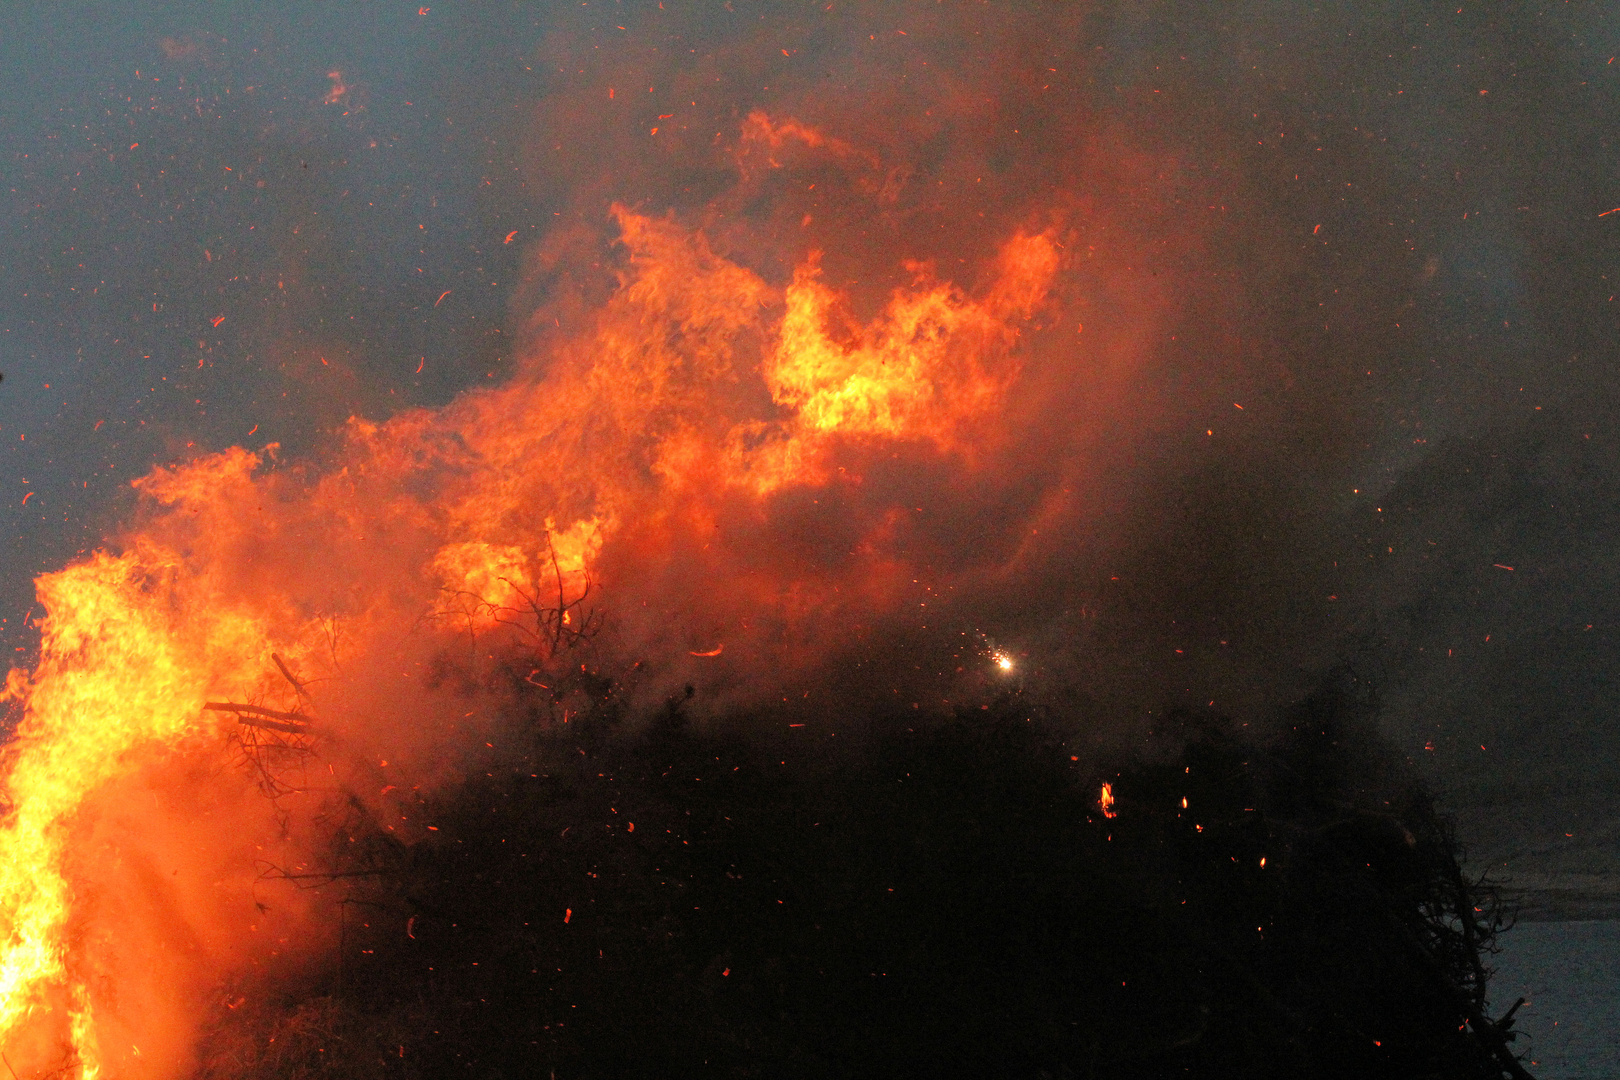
(1569, 897)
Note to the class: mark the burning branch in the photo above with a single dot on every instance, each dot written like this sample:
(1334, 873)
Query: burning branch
(297, 684)
(271, 719)
(270, 739)
(552, 627)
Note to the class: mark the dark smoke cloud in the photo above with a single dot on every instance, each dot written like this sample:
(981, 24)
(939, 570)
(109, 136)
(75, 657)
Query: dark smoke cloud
(1375, 230)
(1362, 230)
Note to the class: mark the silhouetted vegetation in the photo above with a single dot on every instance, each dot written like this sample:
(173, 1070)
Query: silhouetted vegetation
(949, 901)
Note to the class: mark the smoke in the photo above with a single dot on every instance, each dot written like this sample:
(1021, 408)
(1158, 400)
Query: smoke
(865, 346)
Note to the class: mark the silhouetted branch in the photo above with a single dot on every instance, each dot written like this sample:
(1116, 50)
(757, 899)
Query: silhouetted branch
(273, 719)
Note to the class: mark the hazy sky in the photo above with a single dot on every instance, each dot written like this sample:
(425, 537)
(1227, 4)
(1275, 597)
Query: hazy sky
(167, 165)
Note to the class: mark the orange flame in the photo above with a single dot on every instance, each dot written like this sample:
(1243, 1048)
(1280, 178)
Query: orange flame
(1106, 801)
(700, 393)
(645, 431)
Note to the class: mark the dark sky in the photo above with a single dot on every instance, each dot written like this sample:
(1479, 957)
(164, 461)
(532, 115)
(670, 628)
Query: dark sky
(207, 244)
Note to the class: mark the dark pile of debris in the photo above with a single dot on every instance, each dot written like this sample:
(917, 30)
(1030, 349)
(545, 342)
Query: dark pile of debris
(954, 900)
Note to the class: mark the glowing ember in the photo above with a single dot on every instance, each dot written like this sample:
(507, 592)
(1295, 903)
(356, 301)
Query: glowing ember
(1003, 661)
(1106, 801)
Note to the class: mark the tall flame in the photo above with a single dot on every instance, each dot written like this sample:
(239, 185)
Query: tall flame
(125, 658)
(701, 393)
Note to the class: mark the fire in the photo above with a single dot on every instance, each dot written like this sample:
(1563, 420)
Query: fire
(920, 371)
(1106, 801)
(125, 658)
(607, 473)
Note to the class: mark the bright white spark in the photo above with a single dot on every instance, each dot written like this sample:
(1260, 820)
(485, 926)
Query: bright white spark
(1004, 662)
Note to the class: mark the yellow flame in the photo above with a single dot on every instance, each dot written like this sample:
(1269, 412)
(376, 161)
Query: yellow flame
(125, 662)
(506, 493)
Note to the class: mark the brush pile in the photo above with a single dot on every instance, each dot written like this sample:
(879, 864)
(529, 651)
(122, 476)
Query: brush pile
(941, 901)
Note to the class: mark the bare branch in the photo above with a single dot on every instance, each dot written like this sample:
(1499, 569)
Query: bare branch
(296, 683)
(274, 719)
